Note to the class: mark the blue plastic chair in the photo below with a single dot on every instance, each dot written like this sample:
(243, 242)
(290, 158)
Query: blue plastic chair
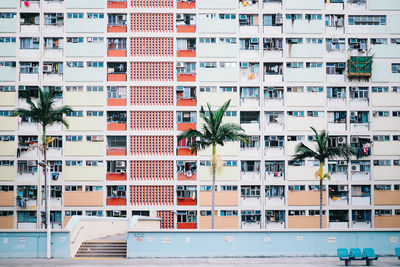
(397, 250)
(369, 254)
(343, 253)
(355, 253)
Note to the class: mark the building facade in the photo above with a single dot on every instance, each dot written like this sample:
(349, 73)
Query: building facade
(136, 72)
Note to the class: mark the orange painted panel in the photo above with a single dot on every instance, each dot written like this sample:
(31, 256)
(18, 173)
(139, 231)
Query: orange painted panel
(83, 198)
(185, 225)
(186, 28)
(186, 126)
(183, 177)
(116, 77)
(222, 198)
(116, 176)
(66, 220)
(221, 222)
(186, 53)
(186, 102)
(112, 4)
(116, 126)
(305, 221)
(186, 77)
(387, 197)
(7, 199)
(185, 152)
(387, 221)
(305, 198)
(186, 5)
(116, 201)
(7, 222)
(116, 28)
(116, 151)
(187, 201)
(116, 102)
(116, 53)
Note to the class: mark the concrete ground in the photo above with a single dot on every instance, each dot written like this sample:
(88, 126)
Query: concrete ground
(197, 262)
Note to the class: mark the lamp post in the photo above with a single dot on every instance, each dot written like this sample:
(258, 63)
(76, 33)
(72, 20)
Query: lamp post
(43, 164)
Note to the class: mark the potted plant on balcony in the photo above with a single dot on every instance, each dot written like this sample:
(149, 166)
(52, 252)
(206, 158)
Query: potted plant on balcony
(324, 151)
(214, 133)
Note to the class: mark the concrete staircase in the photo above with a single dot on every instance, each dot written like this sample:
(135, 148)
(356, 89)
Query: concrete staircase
(102, 249)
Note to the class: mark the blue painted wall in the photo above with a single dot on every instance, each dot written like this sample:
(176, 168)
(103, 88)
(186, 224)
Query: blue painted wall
(33, 245)
(242, 244)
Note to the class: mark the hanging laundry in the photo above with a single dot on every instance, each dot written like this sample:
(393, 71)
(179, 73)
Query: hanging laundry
(26, 3)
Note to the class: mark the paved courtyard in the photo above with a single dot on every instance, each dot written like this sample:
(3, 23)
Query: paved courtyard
(198, 262)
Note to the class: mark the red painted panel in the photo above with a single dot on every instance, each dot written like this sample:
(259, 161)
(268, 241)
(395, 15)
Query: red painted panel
(116, 201)
(184, 177)
(116, 53)
(115, 176)
(185, 201)
(186, 102)
(116, 126)
(116, 151)
(116, 28)
(186, 5)
(114, 4)
(186, 53)
(116, 102)
(186, 126)
(185, 152)
(186, 77)
(186, 28)
(186, 225)
(116, 77)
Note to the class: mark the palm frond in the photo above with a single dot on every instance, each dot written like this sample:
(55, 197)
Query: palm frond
(302, 152)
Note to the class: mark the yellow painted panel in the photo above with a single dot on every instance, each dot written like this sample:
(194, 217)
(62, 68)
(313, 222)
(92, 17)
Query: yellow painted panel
(7, 222)
(8, 98)
(222, 198)
(8, 148)
(218, 99)
(84, 148)
(8, 123)
(385, 99)
(84, 173)
(87, 99)
(7, 199)
(386, 124)
(96, 124)
(386, 148)
(305, 99)
(305, 221)
(387, 221)
(231, 173)
(83, 198)
(221, 222)
(230, 148)
(386, 173)
(7, 173)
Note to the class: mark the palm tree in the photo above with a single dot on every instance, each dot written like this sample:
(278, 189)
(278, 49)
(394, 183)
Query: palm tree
(322, 152)
(214, 133)
(46, 115)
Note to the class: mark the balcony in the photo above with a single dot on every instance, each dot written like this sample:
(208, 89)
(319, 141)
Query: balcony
(117, 47)
(250, 121)
(186, 170)
(186, 96)
(186, 71)
(116, 121)
(53, 47)
(30, 23)
(337, 121)
(248, 5)
(274, 171)
(275, 195)
(184, 147)
(116, 96)
(186, 120)
(275, 219)
(54, 23)
(27, 146)
(116, 23)
(252, 147)
(361, 195)
(185, 23)
(83, 199)
(29, 72)
(274, 145)
(338, 169)
(116, 170)
(250, 196)
(26, 197)
(116, 71)
(249, 72)
(53, 71)
(186, 219)
(359, 121)
(250, 220)
(338, 195)
(248, 24)
(186, 47)
(273, 72)
(186, 4)
(339, 219)
(116, 146)
(116, 200)
(117, 4)
(186, 195)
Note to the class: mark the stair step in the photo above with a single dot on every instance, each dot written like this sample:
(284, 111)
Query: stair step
(102, 249)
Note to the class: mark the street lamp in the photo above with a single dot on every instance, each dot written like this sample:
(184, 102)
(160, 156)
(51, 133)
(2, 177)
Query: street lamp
(43, 164)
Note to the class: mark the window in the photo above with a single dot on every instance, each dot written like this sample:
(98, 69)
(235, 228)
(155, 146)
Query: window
(116, 191)
(228, 188)
(26, 217)
(315, 114)
(275, 191)
(6, 113)
(4, 213)
(382, 187)
(208, 65)
(7, 88)
(10, 64)
(313, 17)
(250, 191)
(294, 17)
(69, 213)
(380, 89)
(94, 64)
(73, 138)
(75, 64)
(227, 16)
(54, 19)
(294, 65)
(98, 213)
(29, 67)
(6, 188)
(228, 213)
(314, 40)
(379, 41)
(95, 15)
(7, 138)
(335, 44)
(274, 141)
(381, 138)
(396, 68)
(367, 20)
(7, 15)
(297, 188)
(382, 163)
(75, 113)
(296, 113)
(75, 40)
(295, 89)
(208, 40)
(313, 65)
(94, 113)
(73, 163)
(94, 163)
(73, 188)
(227, 40)
(383, 212)
(297, 213)
(75, 15)
(380, 113)
(91, 188)
(315, 212)
(186, 117)
(230, 163)
(296, 163)
(29, 43)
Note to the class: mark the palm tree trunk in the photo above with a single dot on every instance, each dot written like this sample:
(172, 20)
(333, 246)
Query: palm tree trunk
(320, 193)
(214, 163)
(47, 194)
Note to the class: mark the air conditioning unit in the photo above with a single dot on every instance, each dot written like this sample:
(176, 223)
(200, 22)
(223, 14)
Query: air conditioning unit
(243, 17)
(269, 213)
(254, 40)
(354, 139)
(180, 17)
(292, 41)
(267, 40)
(192, 212)
(355, 168)
(179, 187)
(189, 174)
(277, 174)
(31, 163)
(90, 39)
(47, 68)
(341, 65)
(341, 140)
(341, 162)
(342, 188)
(180, 65)
(335, 40)
(244, 65)
(35, 40)
(278, 19)
(116, 213)
(120, 163)
(353, 113)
